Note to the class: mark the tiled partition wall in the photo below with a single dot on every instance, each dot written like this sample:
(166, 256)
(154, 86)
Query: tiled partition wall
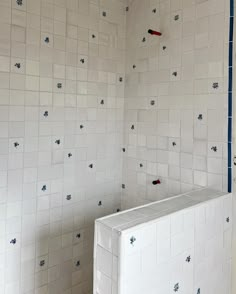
(61, 113)
(181, 245)
(175, 98)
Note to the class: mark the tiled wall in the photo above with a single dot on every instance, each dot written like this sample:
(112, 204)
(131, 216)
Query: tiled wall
(61, 120)
(62, 79)
(175, 98)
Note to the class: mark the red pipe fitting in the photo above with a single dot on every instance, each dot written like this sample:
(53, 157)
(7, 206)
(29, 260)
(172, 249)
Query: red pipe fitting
(152, 32)
(157, 182)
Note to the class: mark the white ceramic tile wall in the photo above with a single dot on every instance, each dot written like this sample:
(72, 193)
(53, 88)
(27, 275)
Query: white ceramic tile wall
(61, 118)
(186, 250)
(175, 98)
(62, 78)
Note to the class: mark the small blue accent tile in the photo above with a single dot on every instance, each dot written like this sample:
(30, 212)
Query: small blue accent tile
(231, 46)
(229, 155)
(231, 7)
(229, 130)
(230, 110)
(230, 79)
(231, 29)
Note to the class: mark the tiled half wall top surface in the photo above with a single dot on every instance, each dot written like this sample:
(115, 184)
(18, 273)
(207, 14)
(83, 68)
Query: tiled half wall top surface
(175, 98)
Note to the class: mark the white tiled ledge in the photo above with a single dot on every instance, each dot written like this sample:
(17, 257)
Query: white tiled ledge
(167, 246)
(137, 216)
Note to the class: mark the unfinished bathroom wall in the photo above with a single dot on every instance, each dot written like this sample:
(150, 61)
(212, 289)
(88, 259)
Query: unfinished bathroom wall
(175, 98)
(61, 121)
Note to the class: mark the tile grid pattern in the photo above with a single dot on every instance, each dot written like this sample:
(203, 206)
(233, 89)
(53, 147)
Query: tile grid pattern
(61, 120)
(176, 98)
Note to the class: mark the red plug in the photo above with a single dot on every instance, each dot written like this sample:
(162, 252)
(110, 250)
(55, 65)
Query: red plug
(157, 182)
(154, 33)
